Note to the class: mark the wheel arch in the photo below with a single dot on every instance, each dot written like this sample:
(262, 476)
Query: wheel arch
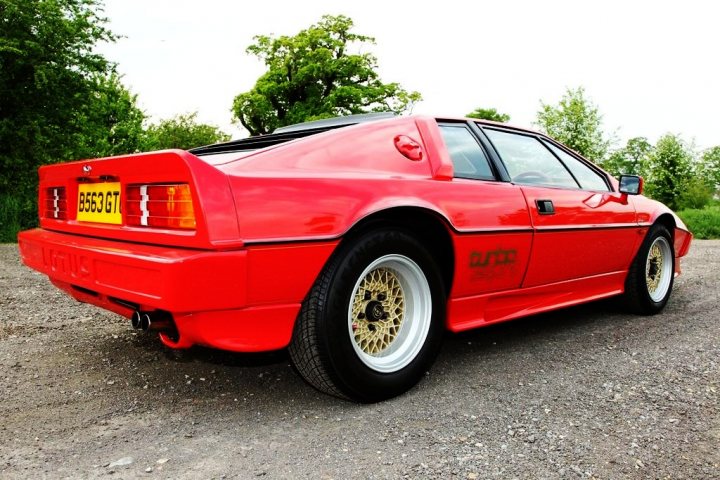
(667, 220)
(679, 233)
(428, 226)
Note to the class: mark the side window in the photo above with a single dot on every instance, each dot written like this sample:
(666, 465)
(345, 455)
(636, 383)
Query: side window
(468, 157)
(528, 161)
(588, 178)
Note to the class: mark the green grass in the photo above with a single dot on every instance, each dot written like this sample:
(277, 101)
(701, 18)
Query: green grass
(15, 214)
(702, 222)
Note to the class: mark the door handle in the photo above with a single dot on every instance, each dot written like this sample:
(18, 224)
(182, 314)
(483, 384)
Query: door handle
(545, 207)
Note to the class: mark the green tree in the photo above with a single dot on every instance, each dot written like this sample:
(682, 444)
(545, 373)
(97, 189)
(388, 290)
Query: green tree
(630, 159)
(184, 132)
(669, 170)
(47, 74)
(696, 193)
(314, 75)
(59, 99)
(489, 114)
(710, 166)
(109, 123)
(576, 122)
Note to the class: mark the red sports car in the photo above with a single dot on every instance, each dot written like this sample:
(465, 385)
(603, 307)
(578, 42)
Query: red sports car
(354, 242)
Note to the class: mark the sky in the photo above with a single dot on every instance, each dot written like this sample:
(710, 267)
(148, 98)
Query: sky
(651, 67)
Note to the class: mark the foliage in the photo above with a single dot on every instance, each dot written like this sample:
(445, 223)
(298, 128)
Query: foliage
(47, 74)
(703, 223)
(630, 159)
(109, 123)
(59, 99)
(576, 122)
(709, 167)
(669, 170)
(16, 213)
(314, 75)
(697, 193)
(182, 131)
(489, 114)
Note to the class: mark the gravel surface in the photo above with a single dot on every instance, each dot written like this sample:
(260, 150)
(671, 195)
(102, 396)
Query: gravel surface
(587, 392)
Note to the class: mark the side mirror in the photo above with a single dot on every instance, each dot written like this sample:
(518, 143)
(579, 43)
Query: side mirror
(631, 184)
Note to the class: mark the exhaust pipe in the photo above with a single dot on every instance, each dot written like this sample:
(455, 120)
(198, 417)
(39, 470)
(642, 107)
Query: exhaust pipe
(157, 321)
(135, 321)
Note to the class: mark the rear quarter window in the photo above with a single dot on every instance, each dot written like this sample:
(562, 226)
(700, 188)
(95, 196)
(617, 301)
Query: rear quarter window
(468, 157)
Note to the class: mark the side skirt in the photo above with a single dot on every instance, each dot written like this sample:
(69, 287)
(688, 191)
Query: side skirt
(480, 310)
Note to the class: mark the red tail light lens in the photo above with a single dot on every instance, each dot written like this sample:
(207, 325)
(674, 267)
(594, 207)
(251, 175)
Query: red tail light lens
(160, 206)
(55, 203)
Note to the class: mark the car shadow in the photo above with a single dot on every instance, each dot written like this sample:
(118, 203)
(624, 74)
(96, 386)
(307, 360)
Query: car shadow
(266, 380)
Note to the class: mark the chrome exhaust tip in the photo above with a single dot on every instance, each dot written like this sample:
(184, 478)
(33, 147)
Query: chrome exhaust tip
(135, 320)
(145, 322)
(155, 321)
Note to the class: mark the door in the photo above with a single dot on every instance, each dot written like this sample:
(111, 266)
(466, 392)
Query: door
(493, 231)
(581, 227)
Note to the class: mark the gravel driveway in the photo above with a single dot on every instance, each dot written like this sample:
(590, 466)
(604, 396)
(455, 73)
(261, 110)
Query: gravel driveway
(586, 392)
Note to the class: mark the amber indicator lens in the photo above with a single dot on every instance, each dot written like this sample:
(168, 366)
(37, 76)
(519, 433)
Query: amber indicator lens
(160, 206)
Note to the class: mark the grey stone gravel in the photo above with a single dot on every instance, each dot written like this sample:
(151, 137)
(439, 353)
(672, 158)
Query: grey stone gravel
(587, 392)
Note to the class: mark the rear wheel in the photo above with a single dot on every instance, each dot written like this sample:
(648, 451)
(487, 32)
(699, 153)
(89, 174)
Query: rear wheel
(650, 279)
(373, 322)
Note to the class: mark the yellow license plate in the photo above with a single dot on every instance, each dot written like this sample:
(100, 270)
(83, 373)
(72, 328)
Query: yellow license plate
(99, 202)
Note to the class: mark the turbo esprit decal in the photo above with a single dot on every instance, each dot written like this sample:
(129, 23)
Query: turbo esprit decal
(492, 258)
(492, 264)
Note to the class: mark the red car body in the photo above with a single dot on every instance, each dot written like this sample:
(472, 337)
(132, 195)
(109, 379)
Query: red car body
(267, 222)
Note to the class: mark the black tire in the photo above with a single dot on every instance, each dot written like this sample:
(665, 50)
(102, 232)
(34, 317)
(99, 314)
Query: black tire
(327, 349)
(640, 296)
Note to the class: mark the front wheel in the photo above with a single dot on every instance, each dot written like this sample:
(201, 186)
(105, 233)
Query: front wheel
(650, 279)
(373, 321)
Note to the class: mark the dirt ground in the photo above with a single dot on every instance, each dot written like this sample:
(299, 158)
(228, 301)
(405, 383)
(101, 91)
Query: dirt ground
(587, 392)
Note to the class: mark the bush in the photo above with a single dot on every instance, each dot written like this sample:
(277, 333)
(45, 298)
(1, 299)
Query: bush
(16, 213)
(703, 223)
(697, 194)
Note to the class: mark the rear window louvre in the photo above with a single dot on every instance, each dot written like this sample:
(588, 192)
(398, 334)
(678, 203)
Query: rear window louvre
(286, 134)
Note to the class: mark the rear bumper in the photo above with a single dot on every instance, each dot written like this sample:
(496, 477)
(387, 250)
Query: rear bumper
(241, 300)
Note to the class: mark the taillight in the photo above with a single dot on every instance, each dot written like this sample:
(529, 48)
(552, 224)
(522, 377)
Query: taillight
(55, 203)
(160, 206)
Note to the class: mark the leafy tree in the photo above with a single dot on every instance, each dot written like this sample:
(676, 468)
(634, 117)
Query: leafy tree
(47, 74)
(704, 181)
(59, 99)
(314, 75)
(710, 166)
(630, 159)
(109, 123)
(184, 132)
(696, 193)
(576, 122)
(669, 170)
(489, 114)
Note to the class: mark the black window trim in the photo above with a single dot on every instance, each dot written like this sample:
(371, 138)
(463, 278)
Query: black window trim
(542, 139)
(483, 146)
(496, 162)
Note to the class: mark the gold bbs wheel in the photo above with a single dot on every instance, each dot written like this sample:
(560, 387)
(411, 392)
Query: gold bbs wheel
(658, 269)
(389, 313)
(650, 278)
